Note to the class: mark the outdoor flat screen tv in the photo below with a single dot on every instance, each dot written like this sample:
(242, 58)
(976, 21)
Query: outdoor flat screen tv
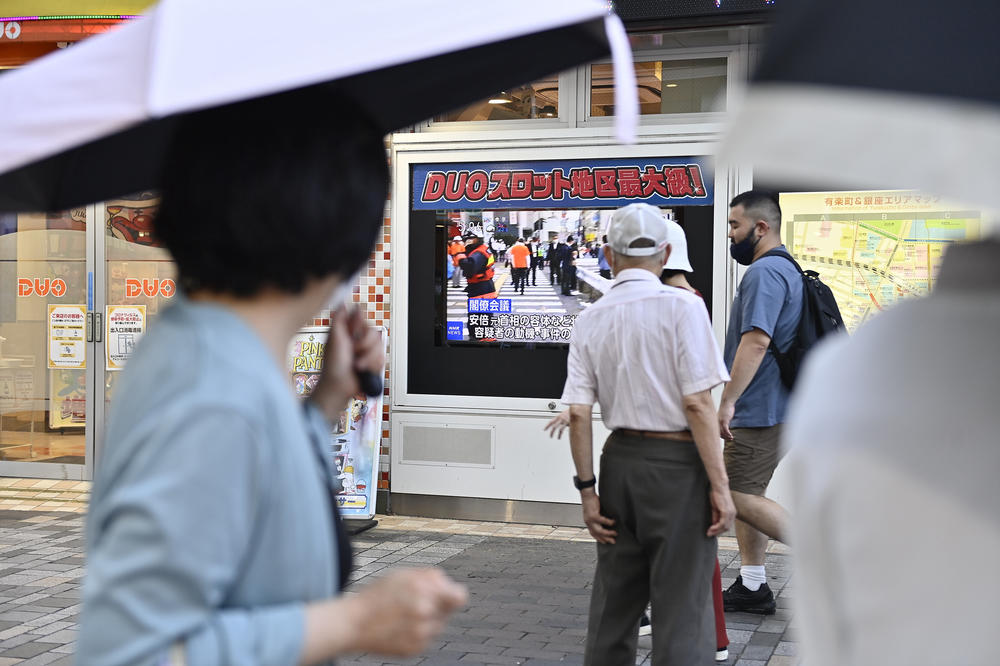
(513, 340)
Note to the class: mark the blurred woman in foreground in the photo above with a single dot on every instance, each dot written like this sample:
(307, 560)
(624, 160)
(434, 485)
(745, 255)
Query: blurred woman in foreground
(212, 536)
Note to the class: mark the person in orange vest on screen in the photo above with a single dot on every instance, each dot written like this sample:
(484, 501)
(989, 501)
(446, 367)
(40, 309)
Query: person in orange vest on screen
(477, 265)
(520, 258)
(455, 248)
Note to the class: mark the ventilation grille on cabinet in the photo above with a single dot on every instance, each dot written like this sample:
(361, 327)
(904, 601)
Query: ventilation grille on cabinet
(446, 445)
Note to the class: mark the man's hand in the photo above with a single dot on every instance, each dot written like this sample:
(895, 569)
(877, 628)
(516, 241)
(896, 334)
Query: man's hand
(352, 346)
(558, 424)
(726, 411)
(723, 510)
(598, 525)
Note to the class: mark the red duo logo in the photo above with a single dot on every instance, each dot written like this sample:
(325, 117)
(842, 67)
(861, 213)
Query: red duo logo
(41, 287)
(135, 287)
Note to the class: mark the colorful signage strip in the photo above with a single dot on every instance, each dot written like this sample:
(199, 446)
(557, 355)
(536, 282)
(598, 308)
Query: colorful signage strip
(680, 181)
(56, 28)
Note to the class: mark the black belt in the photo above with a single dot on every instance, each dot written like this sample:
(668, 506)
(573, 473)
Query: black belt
(680, 436)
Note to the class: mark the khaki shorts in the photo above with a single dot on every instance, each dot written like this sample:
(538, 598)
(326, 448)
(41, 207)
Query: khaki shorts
(751, 458)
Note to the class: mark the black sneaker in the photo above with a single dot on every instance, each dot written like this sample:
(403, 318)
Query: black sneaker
(739, 598)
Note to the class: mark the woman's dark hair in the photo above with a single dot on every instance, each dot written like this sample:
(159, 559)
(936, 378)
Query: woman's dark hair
(667, 273)
(271, 192)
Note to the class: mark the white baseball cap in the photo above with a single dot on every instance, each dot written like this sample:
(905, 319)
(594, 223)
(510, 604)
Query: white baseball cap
(678, 259)
(638, 230)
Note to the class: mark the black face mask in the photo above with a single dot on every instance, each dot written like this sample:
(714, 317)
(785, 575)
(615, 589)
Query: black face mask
(742, 252)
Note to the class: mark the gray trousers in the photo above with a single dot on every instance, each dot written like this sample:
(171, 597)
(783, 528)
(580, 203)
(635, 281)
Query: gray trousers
(657, 493)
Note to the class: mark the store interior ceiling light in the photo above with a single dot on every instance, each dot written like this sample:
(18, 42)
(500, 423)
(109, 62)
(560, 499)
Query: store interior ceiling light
(502, 98)
(547, 111)
(670, 85)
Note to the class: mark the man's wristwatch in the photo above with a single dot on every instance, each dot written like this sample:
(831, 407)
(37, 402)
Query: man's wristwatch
(580, 485)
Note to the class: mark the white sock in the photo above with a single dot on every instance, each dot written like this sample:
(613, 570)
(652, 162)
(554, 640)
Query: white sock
(753, 577)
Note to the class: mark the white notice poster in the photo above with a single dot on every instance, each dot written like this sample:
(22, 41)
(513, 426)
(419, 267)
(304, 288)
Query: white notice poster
(67, 336)
(124, 324)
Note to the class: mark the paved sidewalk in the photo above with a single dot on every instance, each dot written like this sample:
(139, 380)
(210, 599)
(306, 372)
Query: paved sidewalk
(529, 587)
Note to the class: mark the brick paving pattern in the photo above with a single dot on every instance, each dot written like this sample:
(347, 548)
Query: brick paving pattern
(529, 587)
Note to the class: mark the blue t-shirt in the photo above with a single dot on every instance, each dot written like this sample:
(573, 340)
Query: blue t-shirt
(769, 298)
(602, 261)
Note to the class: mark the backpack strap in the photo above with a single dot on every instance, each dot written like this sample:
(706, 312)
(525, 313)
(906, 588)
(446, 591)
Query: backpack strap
(777, 252)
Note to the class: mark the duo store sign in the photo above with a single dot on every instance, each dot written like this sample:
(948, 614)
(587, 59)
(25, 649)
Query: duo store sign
(10, 30)
(562, 184)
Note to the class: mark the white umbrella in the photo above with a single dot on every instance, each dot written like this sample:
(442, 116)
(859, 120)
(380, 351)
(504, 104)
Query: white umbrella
(92, 121)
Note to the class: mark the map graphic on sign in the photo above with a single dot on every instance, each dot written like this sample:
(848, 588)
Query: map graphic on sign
(873, 248)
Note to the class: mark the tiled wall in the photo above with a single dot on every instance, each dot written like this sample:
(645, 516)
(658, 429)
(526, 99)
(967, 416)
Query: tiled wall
(373, 295)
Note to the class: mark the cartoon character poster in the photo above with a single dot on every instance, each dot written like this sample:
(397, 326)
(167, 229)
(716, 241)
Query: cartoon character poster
(131, 220)
(356, 434)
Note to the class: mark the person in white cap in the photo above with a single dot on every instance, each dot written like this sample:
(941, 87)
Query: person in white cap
(674, 274)
(675, 271)
(647, 354)
(455, 248)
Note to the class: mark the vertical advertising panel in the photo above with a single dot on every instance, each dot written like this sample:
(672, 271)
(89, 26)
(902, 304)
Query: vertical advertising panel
(355, 437)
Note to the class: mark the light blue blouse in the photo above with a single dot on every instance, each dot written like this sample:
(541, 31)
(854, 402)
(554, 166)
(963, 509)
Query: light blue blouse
(209, 521)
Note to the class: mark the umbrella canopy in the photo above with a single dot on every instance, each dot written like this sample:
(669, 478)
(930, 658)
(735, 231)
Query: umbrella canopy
(92, 122)
(877, 93)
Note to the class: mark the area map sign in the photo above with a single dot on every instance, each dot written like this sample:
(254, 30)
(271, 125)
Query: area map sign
(873, 248)
(609, 183)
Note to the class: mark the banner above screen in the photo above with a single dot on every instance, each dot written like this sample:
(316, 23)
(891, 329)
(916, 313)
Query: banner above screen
(612, 183)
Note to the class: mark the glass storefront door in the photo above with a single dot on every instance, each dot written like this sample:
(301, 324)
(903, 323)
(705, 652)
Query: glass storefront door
(46, 348)
(138, 282)
(77, 290)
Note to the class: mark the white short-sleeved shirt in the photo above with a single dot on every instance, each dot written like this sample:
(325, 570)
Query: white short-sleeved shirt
(893, 457)
(639, 350)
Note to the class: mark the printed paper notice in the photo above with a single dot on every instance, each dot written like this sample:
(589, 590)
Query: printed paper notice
(125, 324)
(67, 336)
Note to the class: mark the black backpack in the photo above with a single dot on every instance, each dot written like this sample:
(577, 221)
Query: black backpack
(820, 317)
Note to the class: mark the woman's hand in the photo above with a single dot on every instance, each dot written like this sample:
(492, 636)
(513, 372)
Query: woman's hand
(397, 615)
(352, 346)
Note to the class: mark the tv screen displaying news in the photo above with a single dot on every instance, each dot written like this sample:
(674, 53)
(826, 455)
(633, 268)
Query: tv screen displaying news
(521, 276)
(503, 257)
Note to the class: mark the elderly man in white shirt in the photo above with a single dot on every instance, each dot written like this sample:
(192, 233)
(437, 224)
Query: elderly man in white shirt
(646, 353)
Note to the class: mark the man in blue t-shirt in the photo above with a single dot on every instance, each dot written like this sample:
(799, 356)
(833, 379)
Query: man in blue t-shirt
(767, 307)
